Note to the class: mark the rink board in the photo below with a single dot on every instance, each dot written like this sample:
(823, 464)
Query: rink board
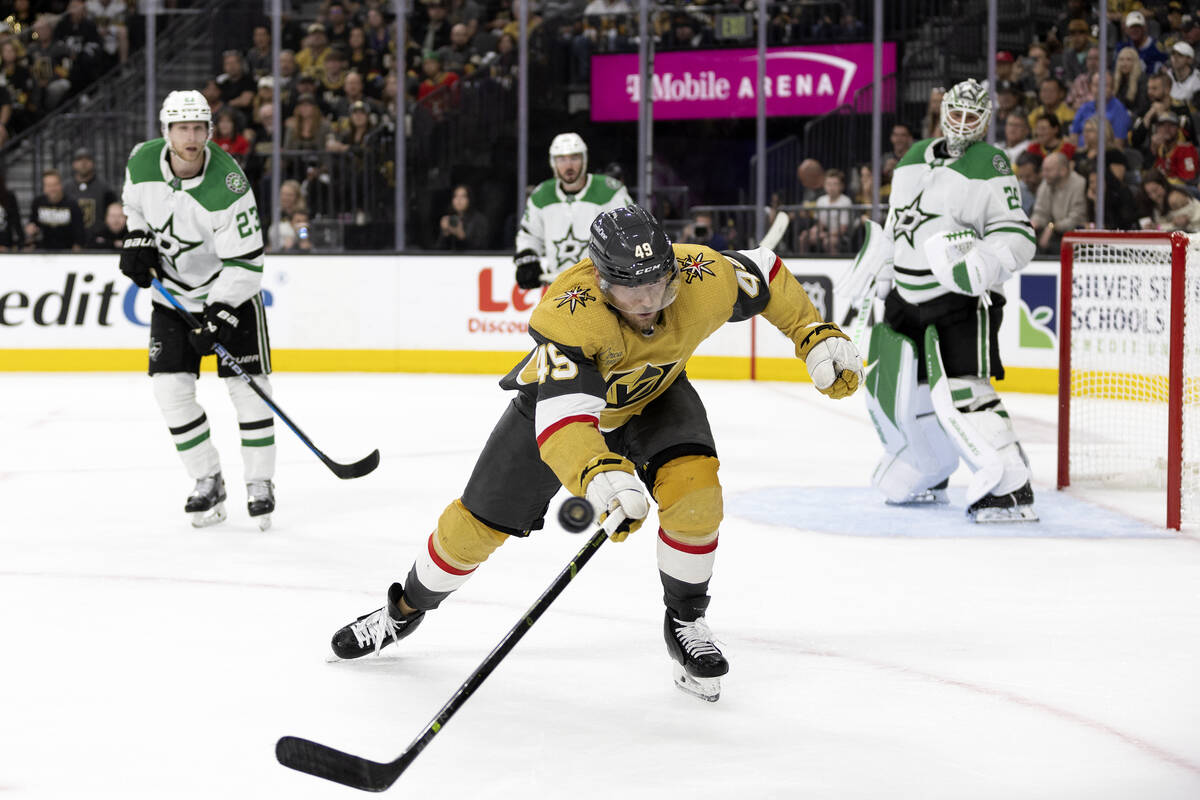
(444, 314)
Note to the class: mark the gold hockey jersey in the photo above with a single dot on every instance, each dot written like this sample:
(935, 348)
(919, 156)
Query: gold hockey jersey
(591, 371)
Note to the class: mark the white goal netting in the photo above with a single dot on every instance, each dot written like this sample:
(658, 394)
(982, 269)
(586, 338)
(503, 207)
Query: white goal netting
(1120, 366)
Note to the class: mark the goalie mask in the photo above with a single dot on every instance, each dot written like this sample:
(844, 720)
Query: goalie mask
(635, 260)
(966, 111)
(186, 105)
(568, 144)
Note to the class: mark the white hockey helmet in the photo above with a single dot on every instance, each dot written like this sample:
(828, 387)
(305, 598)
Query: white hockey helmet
(184, 105)
(567, 144)
(966, 111)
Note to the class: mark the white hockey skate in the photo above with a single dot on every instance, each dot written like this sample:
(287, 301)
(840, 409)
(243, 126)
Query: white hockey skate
(699, 663)
(1013, 507)
(206, 503)
(260, 502)
(934, 495)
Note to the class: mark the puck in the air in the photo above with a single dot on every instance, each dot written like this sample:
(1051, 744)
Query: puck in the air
(575, 514)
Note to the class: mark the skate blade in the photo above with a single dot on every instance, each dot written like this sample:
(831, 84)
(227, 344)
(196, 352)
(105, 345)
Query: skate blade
(205, 519)
(1014, 514)
(707, 689)
(264, 521)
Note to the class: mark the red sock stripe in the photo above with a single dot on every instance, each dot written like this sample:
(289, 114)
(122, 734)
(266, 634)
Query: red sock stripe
(441, 562)
(775, 269)
(696, 550)
(588, 418)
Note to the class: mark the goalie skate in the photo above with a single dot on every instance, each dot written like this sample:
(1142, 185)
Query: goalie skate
(206, 503)
(699, 663)
(1013, 507)
(934, 495)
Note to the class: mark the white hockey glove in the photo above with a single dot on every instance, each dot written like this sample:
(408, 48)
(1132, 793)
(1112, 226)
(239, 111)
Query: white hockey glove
(833, 362)
(610, 484)
(873, 256)
(964, 264)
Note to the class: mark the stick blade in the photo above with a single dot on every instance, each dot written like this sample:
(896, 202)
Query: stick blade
(355, 470)
(316, 759)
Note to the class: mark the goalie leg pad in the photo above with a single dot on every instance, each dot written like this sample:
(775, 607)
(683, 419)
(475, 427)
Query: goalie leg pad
(917, 453)
(454, 550)
(971, 413)
(175, 393)
(257, 426)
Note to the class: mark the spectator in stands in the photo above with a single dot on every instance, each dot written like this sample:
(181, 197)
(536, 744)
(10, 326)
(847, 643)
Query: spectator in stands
(701, 230)
(1120, 208)
(463, 228)
(1084, 160)
(1033, 69)
(1061, 204)
(1048, 138)
(1016, 135)
(291, 200)
(1172, 32)
(258, 163)
(1009, 100)
(458, 55)
(12, 235)
(22, 19)
(865, 180)
(363, 60)
(1006, 67)
(901, 139)
(352, 131)
(687, 33)
(79, 34)
(264, 96)
(109, 16)
(1158, 93)
(229, 138)
(352, 93)
(258, 57)
(50, 63)
(1129, 82)
(433, 32)
(237, 86)
(931, 125)
(88, 190)
(1148, 49)
(311, 60)
(111, 233)
(55, 221)
(1114, 111)
(1184, 79)
(1174, 157)
(832, 216)
(469, 13)
(287, 78)
(1185, 210)
(1052, 94)
(1082, 87)
(1029, 175)
(379, 33)
(1072, 61)
(300, 240)
(435, 78)
(307, 129)
(337, 25)
(15, 75)
(332, 79)
(6, 114)
(1151, 198)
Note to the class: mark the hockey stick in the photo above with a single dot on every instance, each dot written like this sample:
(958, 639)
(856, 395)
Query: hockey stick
(373, 776)
(776, 231)
(343, 471)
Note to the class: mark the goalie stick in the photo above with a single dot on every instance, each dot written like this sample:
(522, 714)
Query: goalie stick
(374, 776)
(343, 471)
(776, 231)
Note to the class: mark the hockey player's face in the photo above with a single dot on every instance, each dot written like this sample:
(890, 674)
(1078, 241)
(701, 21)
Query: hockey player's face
(188, 139)
(639, 305)
(569, 168)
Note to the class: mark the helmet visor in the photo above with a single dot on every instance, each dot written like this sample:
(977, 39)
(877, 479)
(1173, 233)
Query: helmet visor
(644, 299)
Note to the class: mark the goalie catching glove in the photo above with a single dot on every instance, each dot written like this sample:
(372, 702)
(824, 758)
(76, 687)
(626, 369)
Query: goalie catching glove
(965, 264)
(609, 484)
(529, 269)
(833, 362)
(139, 257)
(219, 325)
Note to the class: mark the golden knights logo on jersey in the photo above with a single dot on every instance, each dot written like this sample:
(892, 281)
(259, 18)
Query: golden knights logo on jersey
(576, 296)
(694, 267)
(626, 388)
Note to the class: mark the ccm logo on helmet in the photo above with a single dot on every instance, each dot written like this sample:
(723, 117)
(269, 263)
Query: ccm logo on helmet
(644, 270)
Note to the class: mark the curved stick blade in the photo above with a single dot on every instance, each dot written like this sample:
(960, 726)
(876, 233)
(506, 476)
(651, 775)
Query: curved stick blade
(355, 470)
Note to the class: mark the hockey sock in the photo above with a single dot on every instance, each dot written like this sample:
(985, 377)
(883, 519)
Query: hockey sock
(452, 554)
(175, 393)
(685, 571)
(257, 428)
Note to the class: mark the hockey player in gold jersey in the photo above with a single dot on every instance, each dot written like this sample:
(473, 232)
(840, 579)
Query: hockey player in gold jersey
(604, 407)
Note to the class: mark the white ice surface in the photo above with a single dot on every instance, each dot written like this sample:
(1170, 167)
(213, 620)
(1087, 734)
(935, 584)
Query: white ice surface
(875, 652)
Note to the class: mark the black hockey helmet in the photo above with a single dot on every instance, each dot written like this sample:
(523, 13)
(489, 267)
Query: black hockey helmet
(630, 248)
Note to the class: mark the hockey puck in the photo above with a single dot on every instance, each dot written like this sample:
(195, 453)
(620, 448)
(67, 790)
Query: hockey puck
(575, 514)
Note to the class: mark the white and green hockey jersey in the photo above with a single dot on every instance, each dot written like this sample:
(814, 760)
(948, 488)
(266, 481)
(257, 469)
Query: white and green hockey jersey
(930, 194)
(557, 225)
(210, 242)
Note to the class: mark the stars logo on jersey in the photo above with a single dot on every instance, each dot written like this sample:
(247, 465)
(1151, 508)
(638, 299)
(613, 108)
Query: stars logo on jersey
(577, 296)
(627, 388)
(693, 267)
(1000, 164)
(235, 183)
(569, 249)
(910, 217)
(170, 246)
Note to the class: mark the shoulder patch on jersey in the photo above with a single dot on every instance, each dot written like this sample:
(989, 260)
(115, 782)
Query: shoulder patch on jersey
(235, 183)
(612, 182)
(694, 267)
(577, 296)
(1000, 162)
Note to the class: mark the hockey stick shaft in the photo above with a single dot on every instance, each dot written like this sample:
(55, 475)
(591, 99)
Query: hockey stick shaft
(373, 776)
(343, 471)
(775, 233)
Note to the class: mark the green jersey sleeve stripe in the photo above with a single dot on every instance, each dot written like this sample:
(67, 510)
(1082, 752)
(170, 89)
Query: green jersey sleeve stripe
(1021, 231)
(233, 262)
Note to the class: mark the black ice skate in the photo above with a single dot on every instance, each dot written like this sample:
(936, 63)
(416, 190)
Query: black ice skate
(206, 503)
(1012, 507)
(260, 502)
(372, 632)
(700, 664)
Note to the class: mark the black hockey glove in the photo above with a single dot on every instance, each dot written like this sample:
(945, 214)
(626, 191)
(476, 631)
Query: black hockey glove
(529, 269)
(220, 324)
(139, 256)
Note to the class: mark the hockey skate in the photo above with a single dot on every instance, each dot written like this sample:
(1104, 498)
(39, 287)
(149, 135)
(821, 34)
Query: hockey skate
(933, 495)
(700, 664)
(1012, 507)
(372, 632)
(206, 503)
(260, 502)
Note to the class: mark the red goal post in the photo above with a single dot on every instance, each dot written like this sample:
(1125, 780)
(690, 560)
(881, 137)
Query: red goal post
(1127, 363)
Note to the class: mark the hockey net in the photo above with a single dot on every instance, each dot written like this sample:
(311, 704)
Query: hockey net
(1129, 357)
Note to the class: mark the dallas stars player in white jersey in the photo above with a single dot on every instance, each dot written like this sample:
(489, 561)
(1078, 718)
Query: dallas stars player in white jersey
(194, 224)
(955, 232)
(554, 229)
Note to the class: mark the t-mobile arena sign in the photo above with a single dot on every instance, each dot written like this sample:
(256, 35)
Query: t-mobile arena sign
(703, 84)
